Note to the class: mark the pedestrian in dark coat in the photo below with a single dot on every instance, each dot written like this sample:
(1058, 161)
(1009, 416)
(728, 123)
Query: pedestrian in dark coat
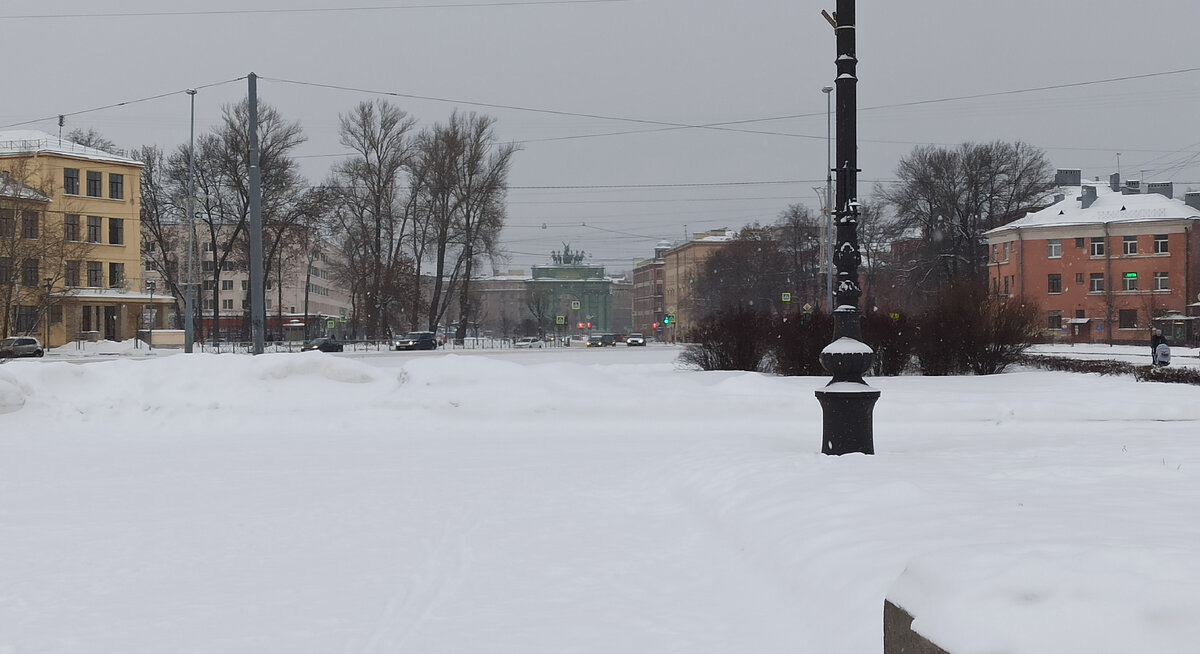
(1156, 339)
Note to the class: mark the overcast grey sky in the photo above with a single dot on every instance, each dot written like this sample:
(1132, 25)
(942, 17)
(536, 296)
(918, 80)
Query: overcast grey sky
(689, 62)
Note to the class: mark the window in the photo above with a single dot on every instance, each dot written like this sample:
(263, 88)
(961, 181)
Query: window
(1007, 288)
(116, 231)
(1097, 246)
(116, 186)
(29, 225)
(1129, 282)
(1129, 245)
(94, 180)
(71, 181)
(245, 285)
(93, 226)
(95, 274)
(71, 273)
(27, 318)
(6, 270)
(226, 304)
(29, 272)
(1160, 244)
(226, 284)
(1079, 243)
(1079, 313)
(1162, 281)
(116, 275)
(1054, 283)
(8, 223)
(208, 246)
(1005, 251)
(1054, 248)
(1079, 278)
(995, 252)
(1096, 283)
(1054, 320)
(209, 284)
(206, 266)
(1127, 319)
(71, 227)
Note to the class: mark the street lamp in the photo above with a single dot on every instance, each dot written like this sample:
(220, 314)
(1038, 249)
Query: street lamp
(150, 329)
(847, 402)
(49, 287)
(829, 240)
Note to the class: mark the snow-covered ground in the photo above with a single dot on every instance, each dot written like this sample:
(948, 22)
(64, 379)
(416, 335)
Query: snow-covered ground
(590, 501)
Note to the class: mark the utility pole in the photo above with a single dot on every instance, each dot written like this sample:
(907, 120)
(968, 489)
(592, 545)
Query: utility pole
(828, 241)
(258, 315)
(847, 402)
(189, 293)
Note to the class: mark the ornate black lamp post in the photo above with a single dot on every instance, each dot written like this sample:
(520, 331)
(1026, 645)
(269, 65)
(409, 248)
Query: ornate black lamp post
(847, 402)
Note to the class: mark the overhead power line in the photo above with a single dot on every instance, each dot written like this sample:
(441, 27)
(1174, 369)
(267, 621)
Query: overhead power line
(552, 112)
(120, 104)
(297, 10)
(896, 105)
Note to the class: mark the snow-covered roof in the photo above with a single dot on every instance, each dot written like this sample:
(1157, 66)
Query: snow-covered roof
(11, 188)
(1108, 207)
(29, 141)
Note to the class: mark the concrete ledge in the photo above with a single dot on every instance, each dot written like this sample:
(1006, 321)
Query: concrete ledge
(898, 636)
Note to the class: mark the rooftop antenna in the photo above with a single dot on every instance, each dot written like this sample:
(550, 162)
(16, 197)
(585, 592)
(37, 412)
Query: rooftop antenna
(62, 120)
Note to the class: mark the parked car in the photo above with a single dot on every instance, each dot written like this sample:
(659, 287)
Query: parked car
(595, 340)
(323, 344)
(21, 346)
(416, 341)
(635, 339)
(529, 341)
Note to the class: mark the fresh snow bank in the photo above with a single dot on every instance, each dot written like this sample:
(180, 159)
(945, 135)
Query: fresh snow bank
(579, 501)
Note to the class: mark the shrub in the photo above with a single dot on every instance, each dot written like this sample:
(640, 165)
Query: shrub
(1165, 374)
(968, 330)
(796, 342)
(893, 337)
(731, 339)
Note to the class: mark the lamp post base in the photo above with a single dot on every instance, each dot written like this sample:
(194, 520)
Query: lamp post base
(848, 418)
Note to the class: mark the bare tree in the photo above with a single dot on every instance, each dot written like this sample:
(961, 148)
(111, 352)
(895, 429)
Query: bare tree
(164, 224)
(372, 212)
(93, 139)
(950, 197)
(480, 190)
(223, 193)
(799, 236)
(751, 271)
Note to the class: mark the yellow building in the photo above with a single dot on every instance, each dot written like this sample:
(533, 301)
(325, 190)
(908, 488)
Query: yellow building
(70, 242)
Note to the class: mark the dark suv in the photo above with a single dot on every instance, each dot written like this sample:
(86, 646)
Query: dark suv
(416, 341)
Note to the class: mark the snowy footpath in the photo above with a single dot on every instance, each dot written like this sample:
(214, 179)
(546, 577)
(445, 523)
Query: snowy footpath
(584, 502)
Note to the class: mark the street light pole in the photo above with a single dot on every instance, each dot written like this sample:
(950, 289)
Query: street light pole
(150, 325)
(847, 402)
(189, 308)
(49, 287)
(829, 240)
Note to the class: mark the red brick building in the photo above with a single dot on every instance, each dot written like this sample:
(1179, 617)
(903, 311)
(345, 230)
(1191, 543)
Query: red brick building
(1105, 263)
(648, 307)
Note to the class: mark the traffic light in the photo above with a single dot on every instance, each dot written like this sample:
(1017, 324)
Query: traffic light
(669, 319)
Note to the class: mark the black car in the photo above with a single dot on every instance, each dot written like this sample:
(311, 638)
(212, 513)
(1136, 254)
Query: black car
(416, 341)
(323, 344)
